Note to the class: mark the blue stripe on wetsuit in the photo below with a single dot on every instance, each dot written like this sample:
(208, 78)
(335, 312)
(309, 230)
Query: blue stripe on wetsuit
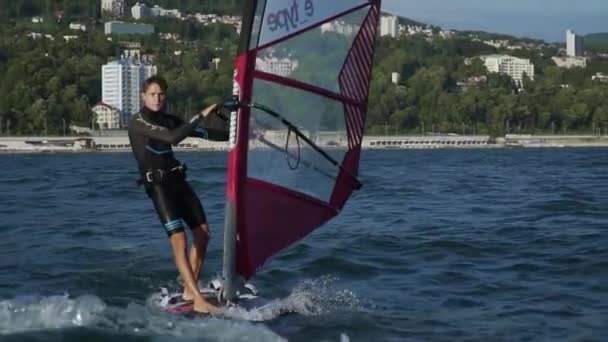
(173, 225)
(157, 151)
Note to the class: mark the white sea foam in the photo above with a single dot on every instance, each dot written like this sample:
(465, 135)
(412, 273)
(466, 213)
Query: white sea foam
(35, 313)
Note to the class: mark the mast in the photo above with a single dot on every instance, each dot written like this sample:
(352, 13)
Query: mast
(237, 159)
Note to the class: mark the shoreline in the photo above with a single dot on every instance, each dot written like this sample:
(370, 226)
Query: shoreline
(27, 145)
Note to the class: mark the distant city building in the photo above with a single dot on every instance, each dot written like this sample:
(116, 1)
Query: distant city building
(175, 13)
(574, 44)
(471, 82)
(208, 19)
(121, 82)
(447, 34)
(600, 77)
(139, 11)
(107, 117)
(37, 20)
(278, 66)
(158, 11)
(155, 11)
(169, 36)
(339, 27)
(69, 37)
(389, 26)
(214, 64)
(130, 45)
(114, 8)
(410, 30)
(501, 43)
(395, 77)
(117, 27)
(37, 35)
(570, 62)
(77, 26)
(509, 65)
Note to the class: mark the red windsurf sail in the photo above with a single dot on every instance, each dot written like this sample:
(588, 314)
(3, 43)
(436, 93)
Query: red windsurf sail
(304, 69)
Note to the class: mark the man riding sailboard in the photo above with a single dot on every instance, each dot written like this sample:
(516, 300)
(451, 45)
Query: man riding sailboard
(152, 132)
(300, 86)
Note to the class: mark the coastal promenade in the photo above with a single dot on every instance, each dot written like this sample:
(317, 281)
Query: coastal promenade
(430, 141)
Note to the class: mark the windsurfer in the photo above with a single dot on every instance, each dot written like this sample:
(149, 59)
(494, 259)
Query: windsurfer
(151, 133)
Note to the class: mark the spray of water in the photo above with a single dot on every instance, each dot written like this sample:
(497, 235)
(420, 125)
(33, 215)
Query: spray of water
(33, 313)
(309, 298)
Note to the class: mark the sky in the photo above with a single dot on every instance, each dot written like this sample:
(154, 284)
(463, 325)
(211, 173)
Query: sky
(539, 19)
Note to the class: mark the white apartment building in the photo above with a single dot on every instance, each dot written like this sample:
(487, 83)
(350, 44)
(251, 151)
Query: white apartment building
(512, 66)
(389, 26)
(570, 62)
(600, 77)
(107, 117)
(77, 27)
(113, 7)
(158, 11)
(139, 11)
(574, 44)
(278, 66)
(121, 82)
(395, 77)
(339, 27)
(118, 27)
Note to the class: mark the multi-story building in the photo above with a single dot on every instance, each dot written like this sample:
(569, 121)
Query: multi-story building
(395, 77)
(570, 62)
(278, 66)
(114, 8)
(117, 27)
(158, 11)
(512, 66)
(107, 117)
(121, 82)
(78, 26)
(574, 44)
(600, 77)
(140, 10)
(389, 26)
(339, 27)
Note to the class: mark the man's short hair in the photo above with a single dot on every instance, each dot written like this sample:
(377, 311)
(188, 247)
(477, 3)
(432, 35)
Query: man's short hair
(160, 81)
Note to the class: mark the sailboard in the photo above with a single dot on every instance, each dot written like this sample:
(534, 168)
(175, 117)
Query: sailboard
(301, 86)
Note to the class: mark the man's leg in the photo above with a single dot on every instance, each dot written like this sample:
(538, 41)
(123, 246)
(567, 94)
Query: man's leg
(198, 250)
(194, 215)
(179, 244)
(168, 209)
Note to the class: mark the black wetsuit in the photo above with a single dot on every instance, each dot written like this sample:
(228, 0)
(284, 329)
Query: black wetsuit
(151, 135)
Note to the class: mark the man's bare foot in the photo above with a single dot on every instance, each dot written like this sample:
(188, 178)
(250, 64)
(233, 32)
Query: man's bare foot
(187, 296)
(203, 306)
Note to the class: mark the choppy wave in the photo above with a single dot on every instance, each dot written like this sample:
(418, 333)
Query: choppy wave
(438, 245)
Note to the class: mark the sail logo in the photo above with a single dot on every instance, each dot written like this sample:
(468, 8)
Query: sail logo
(291, 17)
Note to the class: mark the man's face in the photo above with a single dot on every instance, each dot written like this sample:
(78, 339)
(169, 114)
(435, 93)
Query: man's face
(154, 98)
